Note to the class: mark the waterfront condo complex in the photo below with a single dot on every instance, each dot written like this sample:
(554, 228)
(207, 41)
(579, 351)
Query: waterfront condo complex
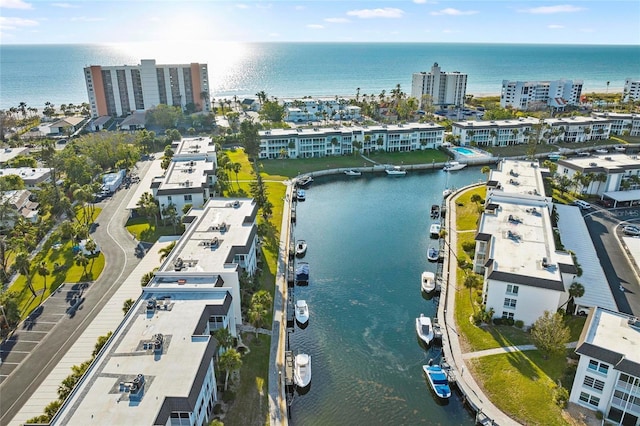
(631, 90)
(526, 95)
(444, 88)
(120, 90)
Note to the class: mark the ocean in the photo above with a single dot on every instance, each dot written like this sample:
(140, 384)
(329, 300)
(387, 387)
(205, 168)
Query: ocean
(36, 74)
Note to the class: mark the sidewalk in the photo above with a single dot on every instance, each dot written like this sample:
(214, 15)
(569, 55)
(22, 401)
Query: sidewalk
(507, 349)
(491, 415)
(106, 320)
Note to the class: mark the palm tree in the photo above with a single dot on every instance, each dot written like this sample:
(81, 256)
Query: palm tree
(472, 281)
(229, 361)
(43, 270)
(257, 315)
(126, 306)
(81, 260)
(575, 290)
(236, 169)
(486, 170)
(164, 252)
(22, 264)
(224, 337)
(493, 135)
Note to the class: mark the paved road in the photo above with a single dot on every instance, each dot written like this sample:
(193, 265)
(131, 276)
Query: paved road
(119, 250)
(602, 228)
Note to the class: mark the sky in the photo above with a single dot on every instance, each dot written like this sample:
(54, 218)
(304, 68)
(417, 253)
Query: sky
(458, 21)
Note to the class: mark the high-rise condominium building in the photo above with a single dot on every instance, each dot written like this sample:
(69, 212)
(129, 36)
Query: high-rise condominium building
(526, 95)
(631, 90)
(120, 90)
(444, 88)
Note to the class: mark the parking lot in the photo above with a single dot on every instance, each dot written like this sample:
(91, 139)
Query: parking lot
(59, 307)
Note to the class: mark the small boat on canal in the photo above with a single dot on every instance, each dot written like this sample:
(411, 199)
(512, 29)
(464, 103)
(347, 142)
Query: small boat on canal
(438, 380)
(424, 329)
(428, 282)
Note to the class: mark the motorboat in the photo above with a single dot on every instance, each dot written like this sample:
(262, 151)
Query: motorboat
(554, 157)
(602, 151)
(446, 193)
(352, 172)
(435, 211)
(302, 273)
(424, 329)
(301, 248)
(453, 165)
(434, 230)
(302, 370)
(428, 282)
(438, 380)
(301, 194)
(395, 171)
(302, 312)
(433, 254)
(620, 148)
(304, 180)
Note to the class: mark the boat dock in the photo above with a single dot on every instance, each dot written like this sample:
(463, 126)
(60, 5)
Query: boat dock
(288, 368)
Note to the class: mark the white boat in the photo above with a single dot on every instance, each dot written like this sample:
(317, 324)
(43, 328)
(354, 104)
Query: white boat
(396, 171)
(446, 193)
(424, 329)
(301, 194)
(434, 230)
(435, 211)
(554, 157)
(428, 282)
(304, 180)
(302, 312)
(620, 148)
(352, 172)
(302, 370)
(438, 380)
(302, 273)
(602, 151)
(433, 254)
(453, 165)
(301, 248)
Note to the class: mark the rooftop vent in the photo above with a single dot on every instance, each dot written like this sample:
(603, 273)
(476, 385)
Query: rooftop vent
(634, 322)
(545, 262)
(236, 204)
(608, 158)
(178, 264)
(593, 164)
(151, 305)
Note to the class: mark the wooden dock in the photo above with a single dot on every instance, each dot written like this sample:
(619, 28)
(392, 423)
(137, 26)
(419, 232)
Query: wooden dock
(288, 368)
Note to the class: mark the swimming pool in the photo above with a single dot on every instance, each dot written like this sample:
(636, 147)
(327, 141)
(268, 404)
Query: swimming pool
(464, 151)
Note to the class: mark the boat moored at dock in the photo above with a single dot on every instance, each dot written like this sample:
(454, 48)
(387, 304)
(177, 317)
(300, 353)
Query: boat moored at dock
(428, 283)
(438, 380)
(424, 329)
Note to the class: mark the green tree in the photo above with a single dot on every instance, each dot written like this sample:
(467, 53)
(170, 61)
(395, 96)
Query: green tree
(144, 280)
(43, 270)
(486, 170)
(271, 111)
(10, 308)
(22, 264)
(81, 260)
(224, 337)
(102, 340)
(257, 315)
(126, 306)
(229, 362)
(550, 334)
(165, 251)
(148, 207)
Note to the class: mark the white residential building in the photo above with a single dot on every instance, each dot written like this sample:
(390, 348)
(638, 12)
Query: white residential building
(622, 123)
(519, 130)
(322, 142)
(120, 90)
(32, 177)
(308, 109)
(158, 367)
(631, 90)
(515, 249)
(443, 88)
(190, 177)
(526, 95)
(608, 374)
(610, 173)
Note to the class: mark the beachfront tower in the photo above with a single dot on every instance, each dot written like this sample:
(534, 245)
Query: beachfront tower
(121, 90)
(442, 88)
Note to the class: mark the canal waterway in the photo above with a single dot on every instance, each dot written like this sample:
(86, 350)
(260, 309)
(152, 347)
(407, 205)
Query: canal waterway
(367, 241)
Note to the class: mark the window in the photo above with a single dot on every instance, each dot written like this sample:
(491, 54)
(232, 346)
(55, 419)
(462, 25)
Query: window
(507, 315)
(169, 198)
(512, 289)
(187, 197)
(589, 399)
(596, 384)
(510, 303)
(600, 367)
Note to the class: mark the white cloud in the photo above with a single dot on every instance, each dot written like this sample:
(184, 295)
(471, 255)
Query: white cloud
(13, 23)
(242, 6)
(64, 5)
(337, 20)
(454, 12)
(299, 7)
(545, 10)
(555, 26)
(315, 26)
(15, 4)
(86, 19)
(387, 12)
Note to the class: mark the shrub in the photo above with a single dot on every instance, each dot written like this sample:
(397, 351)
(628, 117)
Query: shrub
(497, 321)
(217, 409)
(561, 397)
(469, 246)
(519, 323)
(478, 317)
(599, 415)
(510, 321)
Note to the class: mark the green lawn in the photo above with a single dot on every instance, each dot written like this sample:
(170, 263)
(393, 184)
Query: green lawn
(252, 405)
(522, 385)
(142, 230)
(294, 167)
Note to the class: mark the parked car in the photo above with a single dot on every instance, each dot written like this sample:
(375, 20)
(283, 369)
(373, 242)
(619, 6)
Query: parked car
(631, 230)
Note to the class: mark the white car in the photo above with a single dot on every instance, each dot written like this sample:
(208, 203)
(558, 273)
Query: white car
(631, 230)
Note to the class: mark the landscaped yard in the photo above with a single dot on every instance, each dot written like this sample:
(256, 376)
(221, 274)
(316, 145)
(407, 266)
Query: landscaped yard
(146, 231)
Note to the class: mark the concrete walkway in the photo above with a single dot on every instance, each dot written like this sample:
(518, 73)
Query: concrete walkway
(506, 350)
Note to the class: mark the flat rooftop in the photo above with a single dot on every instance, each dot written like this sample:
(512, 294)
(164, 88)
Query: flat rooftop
(514, 122)
(198, 145)
(321, 131)
(28, 174)
(219, 230)
(521, 238)
(519, 177)
(184, 173)
(170, 371)
(7, 154)
(612, 331)
(607, 163)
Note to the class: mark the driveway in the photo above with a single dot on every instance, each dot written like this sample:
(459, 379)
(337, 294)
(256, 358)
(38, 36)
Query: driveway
(607, 241)
(37, 354)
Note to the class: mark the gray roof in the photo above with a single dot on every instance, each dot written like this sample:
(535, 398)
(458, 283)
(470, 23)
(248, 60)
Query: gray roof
(526, 280)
